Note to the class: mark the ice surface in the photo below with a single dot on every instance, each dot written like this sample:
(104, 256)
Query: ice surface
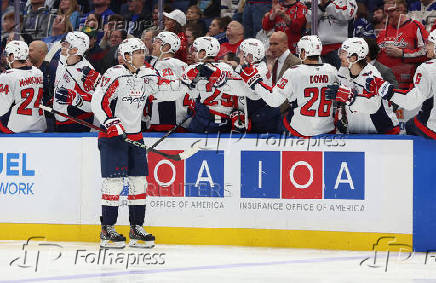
(77, 262)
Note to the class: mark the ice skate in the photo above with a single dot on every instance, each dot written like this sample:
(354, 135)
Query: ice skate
(139, 238)
(109, 238)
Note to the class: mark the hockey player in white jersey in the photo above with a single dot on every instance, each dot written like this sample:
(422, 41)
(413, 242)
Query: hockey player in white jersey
(216, 97)
(21, 90)
(118, 102)
(366, 112)
(304, 86)
(262, 118)
(422, 94)
(166, 114)
(74, 84)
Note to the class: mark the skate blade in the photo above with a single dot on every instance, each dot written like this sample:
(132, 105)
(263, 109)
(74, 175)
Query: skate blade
(106, 244)
(141, 244)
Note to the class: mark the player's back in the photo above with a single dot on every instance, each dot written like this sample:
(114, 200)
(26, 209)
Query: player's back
(427, 114)
(24, 93)
(169, 112)
(305, 86)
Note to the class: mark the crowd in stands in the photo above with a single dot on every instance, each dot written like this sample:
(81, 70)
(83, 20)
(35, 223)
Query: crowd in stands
(395, 30)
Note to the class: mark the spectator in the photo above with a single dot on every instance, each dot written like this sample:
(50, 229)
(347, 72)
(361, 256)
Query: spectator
(385, 72)
(138, 17)
(147, 37)
(231, 59)
(289, 17)
(94, 54)
(192, 32)
(333, 20)
(8, 24)
(175, 22)
(423, 11)
(284, 59)
(101, 10)
(155, 16)
(254, 11)
(114, 22)
(217, 29)
(209, 8)
(193, 17)
(6, 8)
(361, 26)
(379, 19)
(229, 8)
(235, 35)
(402, 43)
(93, 21)
(70, 9)
(371, 4)
(111, 57)
(36, 21)
(61, 26)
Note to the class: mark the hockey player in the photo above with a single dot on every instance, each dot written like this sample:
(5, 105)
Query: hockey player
(366, 113)
(118, 103)
(423, 93)
(74, 84)
(215, 99)
(21, 90)
(304, 86)
(166, 114)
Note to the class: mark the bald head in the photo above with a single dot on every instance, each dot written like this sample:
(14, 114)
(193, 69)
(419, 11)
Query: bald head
(235, 32)
(278, 43)
(37, 51)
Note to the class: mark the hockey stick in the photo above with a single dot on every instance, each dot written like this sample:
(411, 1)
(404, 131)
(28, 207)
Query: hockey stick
(180, 156)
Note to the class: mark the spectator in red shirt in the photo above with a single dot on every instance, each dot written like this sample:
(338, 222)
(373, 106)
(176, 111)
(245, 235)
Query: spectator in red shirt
(235, 34)
(289, 17)
(175, 22)
(402, 44)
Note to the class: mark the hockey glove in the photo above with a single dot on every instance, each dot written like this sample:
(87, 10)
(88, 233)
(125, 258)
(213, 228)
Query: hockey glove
(380, 87)
(216, 77)
(339, 93)
(68, 97)
(114, 127)
(191, 78)
(238, 121)
(89, 78)
(250, 75)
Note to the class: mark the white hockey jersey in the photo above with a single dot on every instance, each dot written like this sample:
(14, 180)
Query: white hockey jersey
(170, 112)
(22, 89)
(222, 100)
(123, 94)
(423, 93)
(304, 86)
(72, 78)
(368, 114)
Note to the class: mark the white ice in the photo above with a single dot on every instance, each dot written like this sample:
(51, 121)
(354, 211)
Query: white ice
(77, 262)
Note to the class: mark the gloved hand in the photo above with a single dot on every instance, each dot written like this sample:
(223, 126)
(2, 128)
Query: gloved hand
(379, 86)
(114, 127)
(250, 75)
(339, 93)
(68, 97)
(238, 121)
(89, 78)
(213, 74)
(191, 78)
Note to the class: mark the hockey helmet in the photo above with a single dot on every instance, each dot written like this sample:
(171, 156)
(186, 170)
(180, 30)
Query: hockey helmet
(169, 38)
(79, 40)
(208, 44)
(18, 48)
(311, 44)
(254, 47)
(130, 45)
(355, 45)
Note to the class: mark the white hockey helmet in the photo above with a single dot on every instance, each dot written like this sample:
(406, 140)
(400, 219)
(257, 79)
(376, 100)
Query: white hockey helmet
(169, 38)
(254, 47)
(208, 44)
(79, 40)
(130, 45)
(18, 48)
(355, 45)
(311, 44)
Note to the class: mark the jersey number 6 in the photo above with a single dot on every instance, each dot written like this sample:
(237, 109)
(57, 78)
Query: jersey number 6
(324, 105)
